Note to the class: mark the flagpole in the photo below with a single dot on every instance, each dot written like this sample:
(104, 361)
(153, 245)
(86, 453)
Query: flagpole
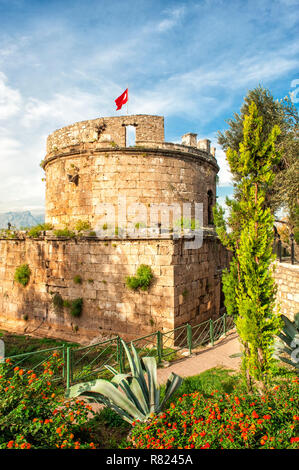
(128, 101)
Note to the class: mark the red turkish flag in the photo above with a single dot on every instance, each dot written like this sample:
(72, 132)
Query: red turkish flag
(122, 99)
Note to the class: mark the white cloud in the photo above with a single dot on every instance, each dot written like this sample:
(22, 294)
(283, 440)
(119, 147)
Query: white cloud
(62, 109)
(225, 176)
(172, 20)
(10, 99)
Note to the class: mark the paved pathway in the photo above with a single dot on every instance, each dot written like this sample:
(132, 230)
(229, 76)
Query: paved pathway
(207, 358)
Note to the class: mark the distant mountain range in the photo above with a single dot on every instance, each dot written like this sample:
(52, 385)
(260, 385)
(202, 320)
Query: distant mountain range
(21, 219)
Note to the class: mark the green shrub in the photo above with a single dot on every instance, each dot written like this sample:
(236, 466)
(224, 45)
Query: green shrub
(185, 223)
(77, 279)
(225, 421)
(57, 301)
(185, 293)
(142, 280)
(34, 232)
(82, 225)
(22, 274)
(65, 232)
(7, 233)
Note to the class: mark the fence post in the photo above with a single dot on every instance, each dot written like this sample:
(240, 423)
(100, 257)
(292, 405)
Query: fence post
(159, 346)
(224, 324)
(292, 248)
(211, 332)
(68, 367)
(279, 248)
(189, 338)
(120, 355)
(64, 365)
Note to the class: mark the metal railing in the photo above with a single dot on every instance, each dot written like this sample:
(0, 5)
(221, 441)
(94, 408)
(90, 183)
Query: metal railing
(88, 362)
(284, 252)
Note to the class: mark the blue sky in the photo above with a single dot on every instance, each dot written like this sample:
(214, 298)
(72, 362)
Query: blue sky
(191, 61)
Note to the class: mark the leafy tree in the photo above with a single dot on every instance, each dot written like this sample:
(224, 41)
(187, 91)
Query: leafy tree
(285, 189)
(249, 286)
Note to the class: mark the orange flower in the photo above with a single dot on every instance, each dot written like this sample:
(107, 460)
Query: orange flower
(10, 444)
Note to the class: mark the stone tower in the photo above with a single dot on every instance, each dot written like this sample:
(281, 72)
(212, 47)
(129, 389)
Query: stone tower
(89, 165)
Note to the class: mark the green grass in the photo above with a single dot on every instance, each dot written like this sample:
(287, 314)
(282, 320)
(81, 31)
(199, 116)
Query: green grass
(20, 344)
(221, 379)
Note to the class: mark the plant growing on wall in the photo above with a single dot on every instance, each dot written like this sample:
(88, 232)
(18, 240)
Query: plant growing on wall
(22, 274)
(77, 279)
(142, 280)
(76, 306)
(35, 231)
(65, 232)
(57, 301)
(82, 225)
(249, 286)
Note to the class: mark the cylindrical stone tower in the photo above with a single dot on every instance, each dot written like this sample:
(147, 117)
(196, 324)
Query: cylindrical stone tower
(90, 164)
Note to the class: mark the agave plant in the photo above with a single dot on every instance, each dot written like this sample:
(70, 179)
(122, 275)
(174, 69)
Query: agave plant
(287, 344)
(133, 396)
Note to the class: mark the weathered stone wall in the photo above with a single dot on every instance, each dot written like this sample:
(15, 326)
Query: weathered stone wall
(197, 280)
(107, 130)
(286, 277)
(89, 166)
(109, 307)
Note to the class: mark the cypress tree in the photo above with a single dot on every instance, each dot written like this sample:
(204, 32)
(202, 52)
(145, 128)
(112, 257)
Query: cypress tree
(249, 286)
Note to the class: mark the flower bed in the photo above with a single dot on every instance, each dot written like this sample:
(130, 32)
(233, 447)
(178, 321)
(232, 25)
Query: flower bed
(225, 421)
(34, 415)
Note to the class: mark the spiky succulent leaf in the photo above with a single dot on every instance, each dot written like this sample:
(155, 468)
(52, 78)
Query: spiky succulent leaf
(109, 391)
(154, 390)
(289, 327)
(172, 384)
